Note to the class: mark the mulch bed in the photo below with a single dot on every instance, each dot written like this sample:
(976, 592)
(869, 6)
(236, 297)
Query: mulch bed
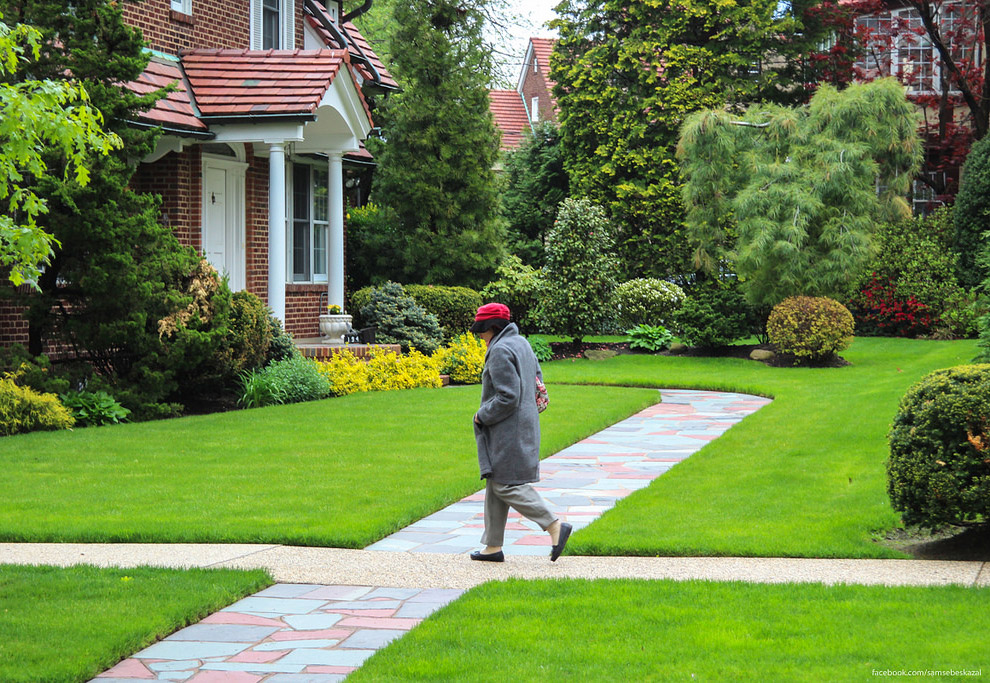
(567, 350)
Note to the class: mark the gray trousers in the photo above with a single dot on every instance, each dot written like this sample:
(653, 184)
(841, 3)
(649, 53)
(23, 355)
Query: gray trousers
(523, 498)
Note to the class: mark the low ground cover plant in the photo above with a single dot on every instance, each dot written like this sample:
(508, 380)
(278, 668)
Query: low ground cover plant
(938, 473)
(71, 624)
(651, 338)
(94, 408)
(690, 630)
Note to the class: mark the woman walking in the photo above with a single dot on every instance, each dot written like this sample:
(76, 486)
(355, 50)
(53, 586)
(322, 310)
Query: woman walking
(507, 429)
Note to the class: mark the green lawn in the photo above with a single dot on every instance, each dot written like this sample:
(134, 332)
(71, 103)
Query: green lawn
(690, 631)
(804, 476)
(72, 624)
(343, 472)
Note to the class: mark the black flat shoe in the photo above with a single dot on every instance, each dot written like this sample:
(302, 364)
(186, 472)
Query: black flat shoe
(491, 557)
(565, 533)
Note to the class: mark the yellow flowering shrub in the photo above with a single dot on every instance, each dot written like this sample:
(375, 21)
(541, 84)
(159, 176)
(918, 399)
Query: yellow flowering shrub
(384, 370)
(24, 410)
(463, 359)
(346, 373)
(388, 371)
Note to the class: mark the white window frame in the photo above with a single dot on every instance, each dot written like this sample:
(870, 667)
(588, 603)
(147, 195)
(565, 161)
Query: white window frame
(287, 25)
(317, 228)
(534, 104)
(182, 6)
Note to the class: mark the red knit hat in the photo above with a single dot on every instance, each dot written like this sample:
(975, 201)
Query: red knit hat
(490, 315)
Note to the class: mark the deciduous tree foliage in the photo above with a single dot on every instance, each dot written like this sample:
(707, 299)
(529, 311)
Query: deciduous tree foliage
(972, 215)
(628, 74)
(37, 116)
(435, 166)
(799, 187)
(118, 271)
(940, 54)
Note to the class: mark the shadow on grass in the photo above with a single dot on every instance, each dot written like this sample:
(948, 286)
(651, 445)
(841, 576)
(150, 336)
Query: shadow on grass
(972, 544)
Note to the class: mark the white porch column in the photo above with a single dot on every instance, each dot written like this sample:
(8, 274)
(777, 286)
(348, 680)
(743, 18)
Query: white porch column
(335, 240)
(276, 230)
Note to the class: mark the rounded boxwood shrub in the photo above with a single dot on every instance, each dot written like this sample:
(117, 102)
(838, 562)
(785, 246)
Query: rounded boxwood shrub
(939, 467)
(454, 307)
(713, 314)
(812, 328)
(400, 320)
(646, 301)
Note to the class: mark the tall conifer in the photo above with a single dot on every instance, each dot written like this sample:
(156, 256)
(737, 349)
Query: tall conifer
(435, 165)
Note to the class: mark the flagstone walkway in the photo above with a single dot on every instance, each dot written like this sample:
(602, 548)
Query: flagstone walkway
(302, 632)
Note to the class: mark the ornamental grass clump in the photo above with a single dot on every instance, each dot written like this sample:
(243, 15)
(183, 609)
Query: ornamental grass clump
(812, 329)
(938, 473)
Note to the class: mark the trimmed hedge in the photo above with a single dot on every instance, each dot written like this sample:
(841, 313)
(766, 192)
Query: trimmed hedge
(454, 307)
(939, 467)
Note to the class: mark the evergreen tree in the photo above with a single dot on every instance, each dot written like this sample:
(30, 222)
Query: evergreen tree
(972, 215)
(536, 184)
(628, 74)
(435, 167)
(117, 272)
(580, 274)
(799, 186)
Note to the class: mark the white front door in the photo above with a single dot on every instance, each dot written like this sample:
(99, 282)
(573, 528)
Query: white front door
(223, 218)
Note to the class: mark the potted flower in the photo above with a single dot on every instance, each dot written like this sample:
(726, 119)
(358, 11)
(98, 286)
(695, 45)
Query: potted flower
(334, 324)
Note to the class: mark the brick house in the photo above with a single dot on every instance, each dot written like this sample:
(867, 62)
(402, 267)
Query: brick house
(517, 111)
(897, 44)
(267, 121)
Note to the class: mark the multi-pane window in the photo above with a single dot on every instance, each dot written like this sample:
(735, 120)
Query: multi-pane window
(898, 44)
(184, 6)
(914, 52)
(271, 28)
(310, 218)
(923, 197)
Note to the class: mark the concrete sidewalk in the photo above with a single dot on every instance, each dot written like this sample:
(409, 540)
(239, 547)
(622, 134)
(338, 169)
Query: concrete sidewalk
(290, 564)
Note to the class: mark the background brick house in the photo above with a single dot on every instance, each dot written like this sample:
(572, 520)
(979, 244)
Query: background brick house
(269, 110)
(517, 111)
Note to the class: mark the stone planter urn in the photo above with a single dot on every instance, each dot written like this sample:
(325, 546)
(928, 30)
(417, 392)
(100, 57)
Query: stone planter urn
(333, 327)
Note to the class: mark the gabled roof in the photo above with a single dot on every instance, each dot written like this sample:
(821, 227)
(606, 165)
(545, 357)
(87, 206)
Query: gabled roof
(348, 37)
(174, 111)
(239, 83)
(542, 47)
(510, 116)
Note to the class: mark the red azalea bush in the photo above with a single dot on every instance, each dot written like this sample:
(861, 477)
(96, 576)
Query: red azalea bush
(879, 310)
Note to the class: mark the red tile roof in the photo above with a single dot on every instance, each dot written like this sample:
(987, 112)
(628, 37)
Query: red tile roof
(358, 47)
(542, 47)
(510, 116)
(270, 82)
(175, 110)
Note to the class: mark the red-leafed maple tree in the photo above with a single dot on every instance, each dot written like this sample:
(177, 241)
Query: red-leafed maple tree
(938, 51)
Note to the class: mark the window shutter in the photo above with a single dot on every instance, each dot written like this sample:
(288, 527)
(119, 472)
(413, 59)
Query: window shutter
(256, 38)
(288, 24)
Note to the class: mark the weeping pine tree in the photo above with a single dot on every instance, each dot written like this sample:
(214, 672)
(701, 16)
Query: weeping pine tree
(435, 165)
(788, 197)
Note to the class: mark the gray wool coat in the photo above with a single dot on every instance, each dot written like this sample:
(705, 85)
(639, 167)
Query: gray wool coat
(509, 434)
